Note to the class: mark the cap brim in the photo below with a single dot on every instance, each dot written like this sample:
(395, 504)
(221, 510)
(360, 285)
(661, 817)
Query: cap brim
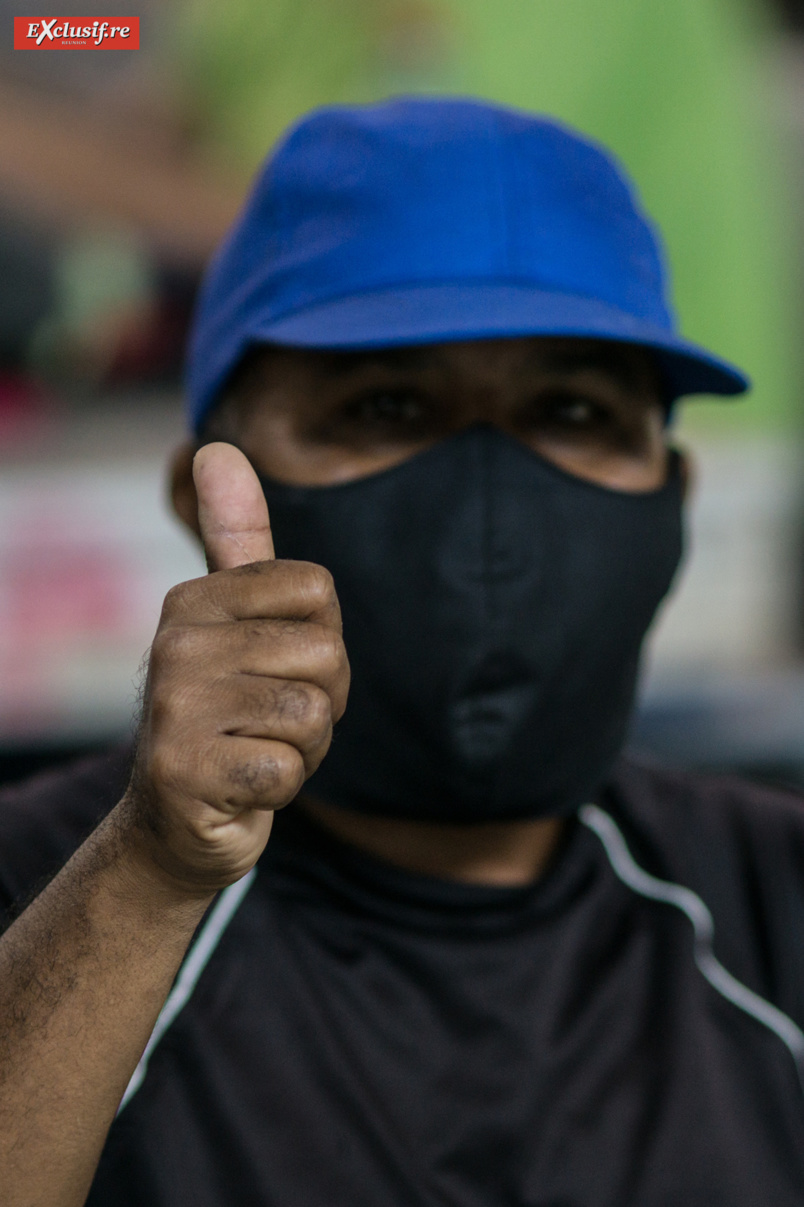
(410, 314)
(419, 314)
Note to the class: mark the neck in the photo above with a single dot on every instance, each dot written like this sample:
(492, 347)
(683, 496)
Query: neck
(504, 854)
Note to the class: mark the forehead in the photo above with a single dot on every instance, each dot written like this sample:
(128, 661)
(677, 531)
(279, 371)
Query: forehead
(632, 366)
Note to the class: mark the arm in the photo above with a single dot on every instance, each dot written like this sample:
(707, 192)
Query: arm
(247, 674)
(83, 974)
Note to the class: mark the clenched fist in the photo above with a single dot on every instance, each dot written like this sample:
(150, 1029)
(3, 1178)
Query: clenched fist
(247, 675)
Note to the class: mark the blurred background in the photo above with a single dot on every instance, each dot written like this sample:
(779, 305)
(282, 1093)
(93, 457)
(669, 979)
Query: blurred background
(119, 171)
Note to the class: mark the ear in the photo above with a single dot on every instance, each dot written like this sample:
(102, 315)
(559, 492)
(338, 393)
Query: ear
(182, 486)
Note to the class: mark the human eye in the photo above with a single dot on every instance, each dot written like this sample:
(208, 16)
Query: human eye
(572, 411)
(386, 408)
(381, 414)
(589, 417)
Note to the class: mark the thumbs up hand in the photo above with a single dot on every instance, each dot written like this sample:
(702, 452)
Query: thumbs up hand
(247, 675)
(232, 512)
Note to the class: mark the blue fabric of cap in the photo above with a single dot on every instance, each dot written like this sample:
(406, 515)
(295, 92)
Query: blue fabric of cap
(428, 220)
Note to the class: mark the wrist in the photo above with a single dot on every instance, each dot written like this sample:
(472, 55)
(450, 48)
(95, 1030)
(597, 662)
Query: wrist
(144, 872)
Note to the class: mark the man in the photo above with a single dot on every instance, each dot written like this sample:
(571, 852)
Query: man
(480, 960)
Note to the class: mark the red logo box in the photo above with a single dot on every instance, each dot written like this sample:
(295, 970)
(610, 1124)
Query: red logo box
(77, 33)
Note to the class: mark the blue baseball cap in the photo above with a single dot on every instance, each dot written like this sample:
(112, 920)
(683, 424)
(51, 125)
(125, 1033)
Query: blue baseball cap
(425, 220)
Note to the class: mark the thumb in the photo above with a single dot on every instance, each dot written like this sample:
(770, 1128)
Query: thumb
(232, 512)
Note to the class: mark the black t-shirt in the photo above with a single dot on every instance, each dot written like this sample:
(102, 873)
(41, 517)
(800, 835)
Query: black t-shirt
(361, 1036)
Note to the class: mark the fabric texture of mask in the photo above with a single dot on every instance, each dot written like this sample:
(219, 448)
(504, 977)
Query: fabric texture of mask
(494, 607)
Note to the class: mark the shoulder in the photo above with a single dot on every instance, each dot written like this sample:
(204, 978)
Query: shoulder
(682, 810)
(43, 820)
(740, 847)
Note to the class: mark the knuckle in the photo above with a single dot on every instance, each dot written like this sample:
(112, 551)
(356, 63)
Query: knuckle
(301, 705)
(258, 777)
(294, 777)
(319, 711)
(317, 584)
(292, 702)
(312, 709)
(340, 696)
(341, 657)
(326, 648)
(274, 778)
(175, 644)
(178, 599)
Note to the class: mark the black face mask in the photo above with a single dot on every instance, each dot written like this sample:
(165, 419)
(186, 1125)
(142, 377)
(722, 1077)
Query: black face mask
(493, 611)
